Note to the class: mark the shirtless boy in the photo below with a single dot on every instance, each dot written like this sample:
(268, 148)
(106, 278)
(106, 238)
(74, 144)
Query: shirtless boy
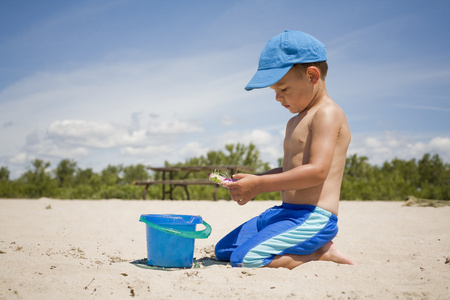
(293, 64)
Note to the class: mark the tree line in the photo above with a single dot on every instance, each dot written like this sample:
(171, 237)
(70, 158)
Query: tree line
(428, 177)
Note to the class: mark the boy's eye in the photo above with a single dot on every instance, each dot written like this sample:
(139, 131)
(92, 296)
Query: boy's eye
(280, 90)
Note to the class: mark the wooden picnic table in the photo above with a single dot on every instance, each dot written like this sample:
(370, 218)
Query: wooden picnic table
(184, 182)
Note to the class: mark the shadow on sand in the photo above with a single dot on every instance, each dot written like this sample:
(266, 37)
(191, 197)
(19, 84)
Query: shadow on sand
(197, 264)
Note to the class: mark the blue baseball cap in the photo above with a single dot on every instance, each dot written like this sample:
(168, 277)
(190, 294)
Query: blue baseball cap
(281, 53)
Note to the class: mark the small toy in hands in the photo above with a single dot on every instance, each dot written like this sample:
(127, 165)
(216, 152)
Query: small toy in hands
(219, 178)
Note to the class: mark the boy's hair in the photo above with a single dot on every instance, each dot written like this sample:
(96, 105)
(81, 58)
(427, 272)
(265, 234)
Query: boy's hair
(321, 65)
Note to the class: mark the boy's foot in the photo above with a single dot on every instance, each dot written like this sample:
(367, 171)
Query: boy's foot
(330, 252)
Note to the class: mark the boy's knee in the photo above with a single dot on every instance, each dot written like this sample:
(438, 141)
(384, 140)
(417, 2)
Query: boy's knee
(249, 260)
(221, 253)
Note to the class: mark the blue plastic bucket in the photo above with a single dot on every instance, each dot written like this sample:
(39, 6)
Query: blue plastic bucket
(170, 239)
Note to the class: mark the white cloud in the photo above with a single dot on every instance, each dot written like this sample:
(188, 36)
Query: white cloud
(48, 148)
(175, 127)
(391, 144)
(440, 144)
(262, 137)
(147, 151)
(80, 132)
(270, 145)
(257, 136)
(108, 135)
(193, 149)
(19, 158)
(227, 120)
(93, 134)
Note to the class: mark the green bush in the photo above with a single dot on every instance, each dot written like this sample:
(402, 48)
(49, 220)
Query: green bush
(427, 178)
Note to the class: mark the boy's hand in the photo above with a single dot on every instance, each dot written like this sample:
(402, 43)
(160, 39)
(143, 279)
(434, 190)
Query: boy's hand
(244, 189)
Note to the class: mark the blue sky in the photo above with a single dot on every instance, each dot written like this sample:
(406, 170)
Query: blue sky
(134, 81)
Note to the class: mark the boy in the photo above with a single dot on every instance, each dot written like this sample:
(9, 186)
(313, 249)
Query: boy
(293, 64)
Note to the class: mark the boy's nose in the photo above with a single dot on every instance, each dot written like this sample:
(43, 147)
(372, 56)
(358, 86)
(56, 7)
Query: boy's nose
(278, 97)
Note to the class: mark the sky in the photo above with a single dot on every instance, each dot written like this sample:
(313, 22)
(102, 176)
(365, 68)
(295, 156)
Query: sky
(143, 82)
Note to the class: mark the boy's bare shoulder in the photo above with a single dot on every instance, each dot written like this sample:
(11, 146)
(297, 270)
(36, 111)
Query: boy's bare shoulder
(329, 111)
(327, 114)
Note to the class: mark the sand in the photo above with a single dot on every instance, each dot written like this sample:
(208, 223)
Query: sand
(79, 249)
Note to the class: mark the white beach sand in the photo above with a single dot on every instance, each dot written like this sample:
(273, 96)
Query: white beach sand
(54, 249)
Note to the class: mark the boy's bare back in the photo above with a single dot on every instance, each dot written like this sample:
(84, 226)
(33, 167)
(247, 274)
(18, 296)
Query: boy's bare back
(303, 135)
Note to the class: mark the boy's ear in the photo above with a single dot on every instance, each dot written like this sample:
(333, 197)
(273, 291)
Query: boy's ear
(313, 73)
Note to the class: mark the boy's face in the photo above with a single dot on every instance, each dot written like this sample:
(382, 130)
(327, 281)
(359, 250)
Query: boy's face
(294, 91)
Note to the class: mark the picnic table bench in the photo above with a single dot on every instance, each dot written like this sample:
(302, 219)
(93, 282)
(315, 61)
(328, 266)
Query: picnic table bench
(168, 185)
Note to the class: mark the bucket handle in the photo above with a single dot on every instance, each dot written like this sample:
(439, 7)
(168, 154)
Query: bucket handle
(186, 234)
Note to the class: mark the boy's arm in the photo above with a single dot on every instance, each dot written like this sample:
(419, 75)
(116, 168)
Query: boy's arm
(324, 132)
(273, 171)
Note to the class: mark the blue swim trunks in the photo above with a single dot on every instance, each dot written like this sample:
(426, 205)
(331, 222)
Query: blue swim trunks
(285, 229)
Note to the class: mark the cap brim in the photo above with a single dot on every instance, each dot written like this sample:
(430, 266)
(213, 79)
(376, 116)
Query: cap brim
(266, 78)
